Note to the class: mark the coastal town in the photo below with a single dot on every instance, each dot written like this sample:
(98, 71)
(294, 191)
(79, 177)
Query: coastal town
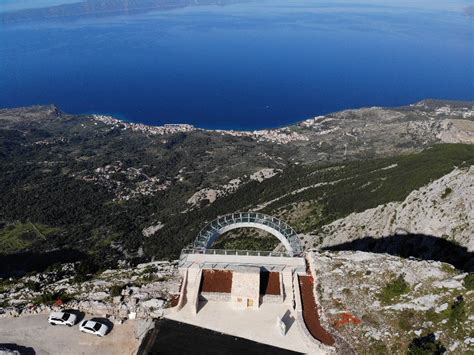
(278, 136)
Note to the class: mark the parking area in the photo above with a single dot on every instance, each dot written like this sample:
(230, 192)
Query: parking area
(34, 332)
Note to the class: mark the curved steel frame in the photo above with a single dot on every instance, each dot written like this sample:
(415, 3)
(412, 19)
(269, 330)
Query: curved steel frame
(275, 226)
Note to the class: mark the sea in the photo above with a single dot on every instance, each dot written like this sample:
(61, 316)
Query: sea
(246, 65)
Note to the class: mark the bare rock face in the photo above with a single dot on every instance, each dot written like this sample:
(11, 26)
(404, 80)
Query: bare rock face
(457, 131)
(444, 209)
(380, 303)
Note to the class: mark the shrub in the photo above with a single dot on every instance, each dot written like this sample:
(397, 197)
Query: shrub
(80, 278)
(426, 345)
(49, 298)
(85, 270)
(457, 312)
(154, 278)
(34, 286)
(405, 320)
(469, 282)
(148, 277)
(5, 285)
(116, 290)
(149, 270)
(44, 298)
(56, 267)
(394, 289)
(446, 192)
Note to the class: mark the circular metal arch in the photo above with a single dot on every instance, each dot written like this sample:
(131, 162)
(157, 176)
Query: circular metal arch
(272, 225)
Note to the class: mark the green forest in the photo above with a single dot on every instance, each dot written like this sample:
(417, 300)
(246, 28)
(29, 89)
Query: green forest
(79, 215)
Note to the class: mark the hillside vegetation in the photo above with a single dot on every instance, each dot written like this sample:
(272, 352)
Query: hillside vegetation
(110, 191)
(307, 196)
(20, 236)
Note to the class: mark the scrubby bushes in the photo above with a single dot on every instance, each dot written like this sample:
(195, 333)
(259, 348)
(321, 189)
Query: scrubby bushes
(86, 216)
(33, 286)
(49, 298)
(469, 282)
(447, 191)
(394, 289)
(85, 270)
(457, 312)
(426, 345)
(116, 290)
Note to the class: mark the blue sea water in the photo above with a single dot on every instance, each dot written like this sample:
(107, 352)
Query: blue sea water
(250, 65)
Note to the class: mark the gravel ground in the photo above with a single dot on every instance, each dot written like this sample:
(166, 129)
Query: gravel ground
(34, 333)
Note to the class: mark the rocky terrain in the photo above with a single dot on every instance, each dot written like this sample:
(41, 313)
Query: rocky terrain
(209, 195)
(141, 292)
(382, 304)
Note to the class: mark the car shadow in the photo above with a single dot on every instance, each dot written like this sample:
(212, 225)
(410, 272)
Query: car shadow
(105, 321)
(79, 315)
(23, 350)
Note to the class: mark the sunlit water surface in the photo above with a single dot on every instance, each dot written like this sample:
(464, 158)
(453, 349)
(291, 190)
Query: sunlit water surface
(249, 65)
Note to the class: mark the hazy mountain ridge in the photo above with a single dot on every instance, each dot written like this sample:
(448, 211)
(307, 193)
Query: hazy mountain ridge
(101, 8)
(469, 11)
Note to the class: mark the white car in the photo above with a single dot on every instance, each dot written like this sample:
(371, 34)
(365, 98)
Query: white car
(93, 327)
(5, 351)
(62, 318)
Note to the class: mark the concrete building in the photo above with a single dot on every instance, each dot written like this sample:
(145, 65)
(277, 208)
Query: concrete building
(245, 292)
(244, 278)
(262, 286)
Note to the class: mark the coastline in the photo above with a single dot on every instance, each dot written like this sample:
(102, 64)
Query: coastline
(119, 116)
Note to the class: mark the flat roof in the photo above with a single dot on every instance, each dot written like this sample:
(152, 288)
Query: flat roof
(233, 262)
(247, 269)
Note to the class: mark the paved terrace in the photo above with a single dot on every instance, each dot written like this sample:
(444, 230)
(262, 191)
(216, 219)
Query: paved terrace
(257, 325)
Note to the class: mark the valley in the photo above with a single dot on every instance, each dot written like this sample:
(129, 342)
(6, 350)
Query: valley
(95, 211)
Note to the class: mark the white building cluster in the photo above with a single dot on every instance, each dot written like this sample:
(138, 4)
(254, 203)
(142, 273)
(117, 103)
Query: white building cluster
(279, 136)
(157, 130)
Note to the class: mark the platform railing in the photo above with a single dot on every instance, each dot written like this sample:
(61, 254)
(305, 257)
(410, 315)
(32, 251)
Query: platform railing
(191, 250)
(205, 236)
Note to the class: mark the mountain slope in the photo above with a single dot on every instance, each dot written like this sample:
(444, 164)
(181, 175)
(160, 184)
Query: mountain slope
(443, 208)
(114, 190)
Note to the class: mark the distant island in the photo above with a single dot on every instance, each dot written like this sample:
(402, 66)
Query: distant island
(101, 8)
(469, 11)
